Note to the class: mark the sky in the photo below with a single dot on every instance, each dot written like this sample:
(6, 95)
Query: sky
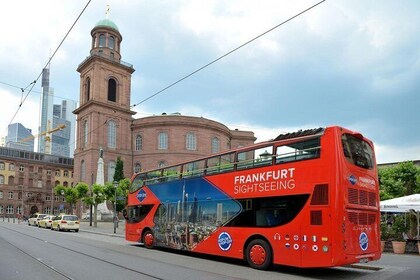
(350, 63)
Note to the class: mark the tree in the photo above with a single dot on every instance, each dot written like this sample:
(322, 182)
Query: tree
(400, 180)
(70, 195)
(119, 170)
(98, 196)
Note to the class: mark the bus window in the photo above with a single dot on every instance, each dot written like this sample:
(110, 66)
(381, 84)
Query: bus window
(298, 151)
(220, 164)
(193, 169)
(138, 182)
(270, 211)
(255, 158)
(357, 151)
(137, 213)
(171, 173)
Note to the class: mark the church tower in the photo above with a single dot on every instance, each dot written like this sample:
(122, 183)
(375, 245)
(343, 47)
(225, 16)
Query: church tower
(104, 116)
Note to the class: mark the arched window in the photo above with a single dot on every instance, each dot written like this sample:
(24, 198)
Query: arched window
(215, 145)
(102, 40)
(163, 141)
(111, 171)
(111, 42)
(112, 134)
(87, 89)
(137, 167)
(191, 141)
(112, 90)
(161, 164)
(1, 179)
(11, 181)
(85, 133)
(82, 171)
(139, 142)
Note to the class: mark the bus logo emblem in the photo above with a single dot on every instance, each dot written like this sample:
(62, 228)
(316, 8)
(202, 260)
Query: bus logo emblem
(141, 195)
(363, 241)
(353, 180)
(224, 241)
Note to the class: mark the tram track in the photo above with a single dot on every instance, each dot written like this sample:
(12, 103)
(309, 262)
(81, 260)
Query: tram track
(63, 274)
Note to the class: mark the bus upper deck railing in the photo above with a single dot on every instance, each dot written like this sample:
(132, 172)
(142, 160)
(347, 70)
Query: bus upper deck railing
(159, 176)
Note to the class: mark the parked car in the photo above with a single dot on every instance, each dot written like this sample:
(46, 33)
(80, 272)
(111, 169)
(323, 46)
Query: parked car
(66, 222)
(46, 221)
(35, 218)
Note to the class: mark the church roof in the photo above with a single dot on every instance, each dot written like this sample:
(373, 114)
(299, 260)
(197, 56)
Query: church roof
(107, 23)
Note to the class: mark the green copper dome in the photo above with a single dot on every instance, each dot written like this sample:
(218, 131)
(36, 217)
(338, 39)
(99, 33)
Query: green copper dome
(107, 23)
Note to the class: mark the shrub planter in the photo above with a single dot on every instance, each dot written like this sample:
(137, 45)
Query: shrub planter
(398, 247)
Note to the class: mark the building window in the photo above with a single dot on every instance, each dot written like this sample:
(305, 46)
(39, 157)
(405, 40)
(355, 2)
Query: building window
(1, 194)
(112, 134)
(47, 197)
(215, 145)
(1, 209)
(49, 172)
(10, 195)
(191, 142)
(1, 165)
(87, 90)
(11, 181)
(19, 209)
(139, 143)
(82, 171)
(66, 173)
(163, 141)
(137, 168)
(57, 173)
(11, 167)
(1, 179)
(111, 42)
(112, 90)
(111, 171)
(161, 164)
(21, 168)
(9, 209)
(102, 40)
(85, 133)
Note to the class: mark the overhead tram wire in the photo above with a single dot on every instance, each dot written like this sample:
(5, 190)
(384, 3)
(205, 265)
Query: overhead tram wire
(226, 54)
(49, 60)
(210, 63)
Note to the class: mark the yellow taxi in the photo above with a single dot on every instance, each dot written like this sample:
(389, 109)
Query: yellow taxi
(35, 218)
(46, 221)
(65, 222)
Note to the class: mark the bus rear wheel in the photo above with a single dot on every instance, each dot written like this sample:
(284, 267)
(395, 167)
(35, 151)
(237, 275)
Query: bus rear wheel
(148, 239)
(258, 254)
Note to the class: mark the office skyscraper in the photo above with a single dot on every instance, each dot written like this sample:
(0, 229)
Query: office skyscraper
(18, 137)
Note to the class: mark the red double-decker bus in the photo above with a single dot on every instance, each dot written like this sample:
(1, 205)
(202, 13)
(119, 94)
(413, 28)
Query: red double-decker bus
(305, 199)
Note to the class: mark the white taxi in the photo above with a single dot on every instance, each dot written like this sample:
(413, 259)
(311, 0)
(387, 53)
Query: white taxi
(65, 222)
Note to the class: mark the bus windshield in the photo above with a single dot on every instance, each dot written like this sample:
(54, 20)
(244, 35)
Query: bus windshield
(357, 151)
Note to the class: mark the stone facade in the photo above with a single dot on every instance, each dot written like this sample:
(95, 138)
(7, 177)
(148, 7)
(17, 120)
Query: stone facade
(36, 175)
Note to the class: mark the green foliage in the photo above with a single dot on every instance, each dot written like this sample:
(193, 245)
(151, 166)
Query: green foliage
(385, 233)
(398, 228)
(119, 170)
(82, 189)
(400, 180)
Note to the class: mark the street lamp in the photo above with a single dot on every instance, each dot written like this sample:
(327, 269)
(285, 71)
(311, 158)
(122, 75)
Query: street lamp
(115, 205)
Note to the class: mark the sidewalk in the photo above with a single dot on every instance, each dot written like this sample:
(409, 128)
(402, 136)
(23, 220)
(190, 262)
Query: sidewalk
(105, 228)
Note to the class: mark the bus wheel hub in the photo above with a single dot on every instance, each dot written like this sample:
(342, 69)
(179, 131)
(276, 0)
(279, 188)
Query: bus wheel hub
(258, 254)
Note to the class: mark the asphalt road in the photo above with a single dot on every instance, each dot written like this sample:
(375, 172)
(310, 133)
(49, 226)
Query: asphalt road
(34, 253)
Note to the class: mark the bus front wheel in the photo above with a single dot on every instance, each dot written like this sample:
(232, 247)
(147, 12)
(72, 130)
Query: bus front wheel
(148, 239)
(259, 254)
